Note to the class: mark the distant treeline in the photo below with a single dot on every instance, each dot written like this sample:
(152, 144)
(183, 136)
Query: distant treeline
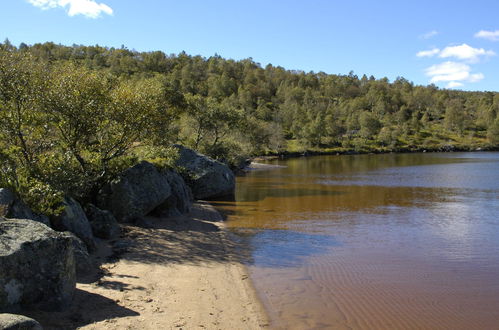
(91, 107)
(315, 109)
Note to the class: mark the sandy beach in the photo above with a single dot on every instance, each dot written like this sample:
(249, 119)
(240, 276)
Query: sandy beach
(179, 273)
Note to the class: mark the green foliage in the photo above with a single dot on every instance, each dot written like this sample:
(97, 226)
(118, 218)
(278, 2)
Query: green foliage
(73, 117)
(66, 129)
(161, 156)
(369, 125)
(210, 125)
(493, 132)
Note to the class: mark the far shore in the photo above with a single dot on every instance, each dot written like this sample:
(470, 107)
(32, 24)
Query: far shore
(177, 273)
(306, 153)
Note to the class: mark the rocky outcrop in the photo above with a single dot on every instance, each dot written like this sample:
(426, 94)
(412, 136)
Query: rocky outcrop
(135, 193)
(206, 177)
(73, 219)
(103, 222)
(13, 207)
(37, 268)
(181, 198)
(18, 322)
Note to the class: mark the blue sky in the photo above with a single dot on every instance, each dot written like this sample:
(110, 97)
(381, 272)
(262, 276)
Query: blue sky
(453, 44)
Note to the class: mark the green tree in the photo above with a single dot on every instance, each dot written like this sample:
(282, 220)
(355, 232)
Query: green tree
(369, 125)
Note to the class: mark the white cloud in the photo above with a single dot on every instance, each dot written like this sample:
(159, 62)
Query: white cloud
(428, 53)
(454, 73)
(465, 52)
(454, 84)
(489, 35)
(462, 52)
(88, 8)
(428, 35)
(448, 71)
(476, 77)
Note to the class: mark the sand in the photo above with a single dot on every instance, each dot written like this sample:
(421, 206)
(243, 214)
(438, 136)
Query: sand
(181, 273)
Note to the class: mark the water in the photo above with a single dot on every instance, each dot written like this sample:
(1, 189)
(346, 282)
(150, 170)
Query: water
(408, 241)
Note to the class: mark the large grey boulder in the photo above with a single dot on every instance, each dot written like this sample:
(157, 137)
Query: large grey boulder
(83, 262)
(18, 322)
(73, 219)
(206, 177)
(37, 268)
(103, 222)
(181, 198)
(13, 207)
(135, 193)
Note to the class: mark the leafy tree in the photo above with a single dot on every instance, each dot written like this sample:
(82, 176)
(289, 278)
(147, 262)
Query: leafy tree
(455, 116)
(493, 132)
(369, 125)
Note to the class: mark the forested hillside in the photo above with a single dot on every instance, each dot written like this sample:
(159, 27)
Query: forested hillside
(73, 115)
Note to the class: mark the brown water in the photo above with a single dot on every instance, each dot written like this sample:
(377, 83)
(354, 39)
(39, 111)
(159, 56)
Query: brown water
(374, 241)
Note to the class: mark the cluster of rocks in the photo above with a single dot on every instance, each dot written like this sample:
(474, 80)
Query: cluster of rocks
(40, 257)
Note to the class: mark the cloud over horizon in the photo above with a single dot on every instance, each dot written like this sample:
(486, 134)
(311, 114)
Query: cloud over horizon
(454, 73)
(87, 8)
(458, 71)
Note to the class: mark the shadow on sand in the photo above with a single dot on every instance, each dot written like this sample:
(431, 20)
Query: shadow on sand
(86, 308)
(191, 239)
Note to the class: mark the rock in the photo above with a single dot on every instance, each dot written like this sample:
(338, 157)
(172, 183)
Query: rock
(240, 165)
(13, 207)
(206, 177)
(103, 222)
(143, 222)
(83, 262)
(18, 322)
(181, 193)
(37, 268)
(73, 219)
(181, 198)
(137, 192)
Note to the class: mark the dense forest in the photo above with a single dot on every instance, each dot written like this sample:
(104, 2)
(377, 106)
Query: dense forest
(73, 116)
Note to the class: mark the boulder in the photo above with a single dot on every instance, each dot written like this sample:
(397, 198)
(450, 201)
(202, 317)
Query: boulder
(13, 207)
(37, 268)
(135, 193)
(181, 198)
(18, 322)
(103, 222)
(206, 177)
(73, 219)
(83, 262)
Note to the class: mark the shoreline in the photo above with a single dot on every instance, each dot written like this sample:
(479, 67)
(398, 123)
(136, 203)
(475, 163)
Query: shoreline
(178, 273)
(308, 153)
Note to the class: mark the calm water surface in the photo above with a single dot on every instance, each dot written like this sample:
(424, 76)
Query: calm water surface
(407, 241)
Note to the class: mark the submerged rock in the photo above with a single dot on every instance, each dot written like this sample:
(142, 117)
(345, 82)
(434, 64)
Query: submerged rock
(73, 219)
(206, 177)
(137, 192)
(13, 207)
(37, 268)
(18, 322)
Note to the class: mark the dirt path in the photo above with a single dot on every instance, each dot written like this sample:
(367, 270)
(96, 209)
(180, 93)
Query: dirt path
(182, 273)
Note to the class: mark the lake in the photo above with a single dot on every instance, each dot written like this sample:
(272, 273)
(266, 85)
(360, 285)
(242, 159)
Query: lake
(393, 241)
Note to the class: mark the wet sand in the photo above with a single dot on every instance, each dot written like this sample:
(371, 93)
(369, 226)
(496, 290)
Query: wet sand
(181, 273)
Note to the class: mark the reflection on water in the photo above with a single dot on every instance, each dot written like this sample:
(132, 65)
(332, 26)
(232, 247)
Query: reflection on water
(279, 248)
(396, 241)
